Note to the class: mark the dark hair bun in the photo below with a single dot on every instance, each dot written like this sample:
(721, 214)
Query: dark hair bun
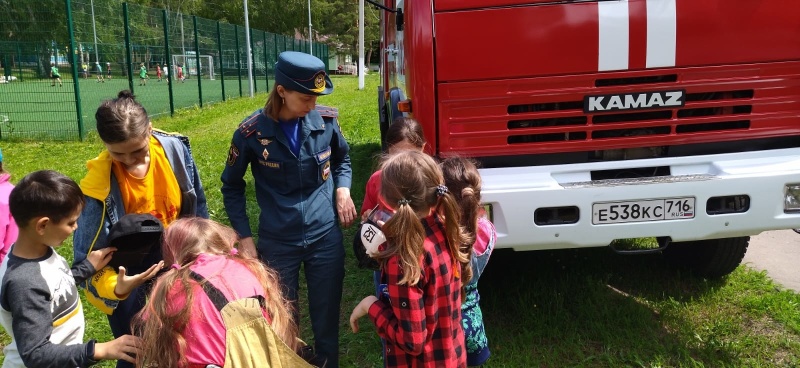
(126, 94)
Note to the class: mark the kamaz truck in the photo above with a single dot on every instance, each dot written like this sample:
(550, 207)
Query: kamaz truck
(593, 121)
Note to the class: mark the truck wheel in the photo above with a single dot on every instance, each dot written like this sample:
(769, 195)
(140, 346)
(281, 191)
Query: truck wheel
(713, 258)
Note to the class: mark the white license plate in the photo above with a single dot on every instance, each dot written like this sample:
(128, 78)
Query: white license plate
(644, 210)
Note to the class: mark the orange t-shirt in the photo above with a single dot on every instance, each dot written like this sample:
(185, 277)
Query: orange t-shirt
(157, 193)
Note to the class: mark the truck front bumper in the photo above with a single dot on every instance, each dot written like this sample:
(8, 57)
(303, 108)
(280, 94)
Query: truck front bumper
(515, 193)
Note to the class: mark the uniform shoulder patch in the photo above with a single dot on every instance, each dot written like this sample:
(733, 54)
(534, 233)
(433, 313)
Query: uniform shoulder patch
(233, 154)
(327, 111)
(248, 126)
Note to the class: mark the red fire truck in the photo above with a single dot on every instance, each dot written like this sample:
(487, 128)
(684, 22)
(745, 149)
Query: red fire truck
(677, 120)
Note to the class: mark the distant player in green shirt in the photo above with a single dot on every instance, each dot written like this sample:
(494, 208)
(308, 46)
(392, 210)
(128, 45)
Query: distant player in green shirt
(142, 75)
(54, 75)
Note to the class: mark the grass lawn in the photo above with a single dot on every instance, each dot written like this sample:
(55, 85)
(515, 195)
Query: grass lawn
(571, 308)
(35, 109)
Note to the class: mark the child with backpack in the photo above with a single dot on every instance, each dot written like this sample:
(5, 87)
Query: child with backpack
(463, 180)
(419, 312)
(215, 306)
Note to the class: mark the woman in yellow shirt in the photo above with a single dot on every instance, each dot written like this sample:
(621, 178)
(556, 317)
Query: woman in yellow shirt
(142, 170)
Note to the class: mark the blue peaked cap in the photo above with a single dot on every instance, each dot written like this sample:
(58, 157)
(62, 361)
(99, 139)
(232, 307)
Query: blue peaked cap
(303, 73)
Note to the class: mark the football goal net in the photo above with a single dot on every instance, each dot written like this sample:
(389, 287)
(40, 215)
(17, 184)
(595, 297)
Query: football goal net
(189, 64)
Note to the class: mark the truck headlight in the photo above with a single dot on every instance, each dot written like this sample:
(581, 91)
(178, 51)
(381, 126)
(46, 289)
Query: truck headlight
(791, 198)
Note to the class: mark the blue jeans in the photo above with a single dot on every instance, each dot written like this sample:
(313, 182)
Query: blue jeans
(323, 262)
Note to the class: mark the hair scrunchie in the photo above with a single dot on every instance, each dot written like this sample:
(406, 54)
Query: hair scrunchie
(441, 189)
(403, 201)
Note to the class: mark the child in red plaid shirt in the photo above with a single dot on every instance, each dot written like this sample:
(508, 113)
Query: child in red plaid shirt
(419, 312)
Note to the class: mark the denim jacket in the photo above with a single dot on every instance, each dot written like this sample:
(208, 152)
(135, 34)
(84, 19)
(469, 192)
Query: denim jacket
(104, 207)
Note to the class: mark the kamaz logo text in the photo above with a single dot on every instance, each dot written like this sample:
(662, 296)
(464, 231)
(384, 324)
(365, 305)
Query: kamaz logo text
(634, 101)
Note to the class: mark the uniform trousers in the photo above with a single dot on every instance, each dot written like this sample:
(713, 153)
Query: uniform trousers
(323, 264)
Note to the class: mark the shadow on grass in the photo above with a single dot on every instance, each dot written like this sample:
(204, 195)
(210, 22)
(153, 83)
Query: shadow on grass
(591, 307)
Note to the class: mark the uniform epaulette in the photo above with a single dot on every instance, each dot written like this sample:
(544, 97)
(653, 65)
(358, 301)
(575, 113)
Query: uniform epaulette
(248, 126)
(327, 111)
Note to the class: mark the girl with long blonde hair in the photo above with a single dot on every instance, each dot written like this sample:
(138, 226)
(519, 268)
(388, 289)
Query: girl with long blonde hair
(180, 325)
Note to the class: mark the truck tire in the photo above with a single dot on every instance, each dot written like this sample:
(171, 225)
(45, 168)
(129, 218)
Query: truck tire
(712, 259)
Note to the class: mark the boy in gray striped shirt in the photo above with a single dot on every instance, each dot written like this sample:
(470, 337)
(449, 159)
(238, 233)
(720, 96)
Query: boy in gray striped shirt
(39, 303)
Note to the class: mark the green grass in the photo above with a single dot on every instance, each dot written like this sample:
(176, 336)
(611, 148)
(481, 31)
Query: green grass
(34, 109)
(568, 308)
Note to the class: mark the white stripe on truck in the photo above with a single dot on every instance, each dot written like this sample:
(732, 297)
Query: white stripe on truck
(661, 33)
(613, 35)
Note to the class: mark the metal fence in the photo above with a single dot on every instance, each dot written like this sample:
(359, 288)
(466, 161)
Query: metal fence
(99, 47)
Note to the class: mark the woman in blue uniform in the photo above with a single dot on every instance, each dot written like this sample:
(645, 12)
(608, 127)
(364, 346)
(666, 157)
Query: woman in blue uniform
(301, 170)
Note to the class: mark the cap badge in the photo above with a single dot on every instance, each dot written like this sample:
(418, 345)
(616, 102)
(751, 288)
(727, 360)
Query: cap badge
(319, 80)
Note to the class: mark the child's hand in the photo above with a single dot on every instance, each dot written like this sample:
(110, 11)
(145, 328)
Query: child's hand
(126, 284)
(361, 310)
(100, 258)
(123, 348)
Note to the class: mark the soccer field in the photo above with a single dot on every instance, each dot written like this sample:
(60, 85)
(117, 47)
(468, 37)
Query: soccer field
(33, 109)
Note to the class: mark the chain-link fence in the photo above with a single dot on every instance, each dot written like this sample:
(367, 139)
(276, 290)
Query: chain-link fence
(63, 57)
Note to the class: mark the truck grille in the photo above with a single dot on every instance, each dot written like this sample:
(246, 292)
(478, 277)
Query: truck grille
(634, 124)
(554, 118)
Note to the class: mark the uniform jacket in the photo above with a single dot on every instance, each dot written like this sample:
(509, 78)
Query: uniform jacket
(295, 194)
(104, 207)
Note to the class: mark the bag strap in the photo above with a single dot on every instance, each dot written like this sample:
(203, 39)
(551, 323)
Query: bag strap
(215, 295)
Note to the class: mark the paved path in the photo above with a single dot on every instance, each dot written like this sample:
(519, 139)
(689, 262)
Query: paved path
(777, 252)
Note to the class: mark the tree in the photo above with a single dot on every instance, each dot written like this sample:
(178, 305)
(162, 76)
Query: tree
(33, 30)
(282, 17)
(340, 25)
